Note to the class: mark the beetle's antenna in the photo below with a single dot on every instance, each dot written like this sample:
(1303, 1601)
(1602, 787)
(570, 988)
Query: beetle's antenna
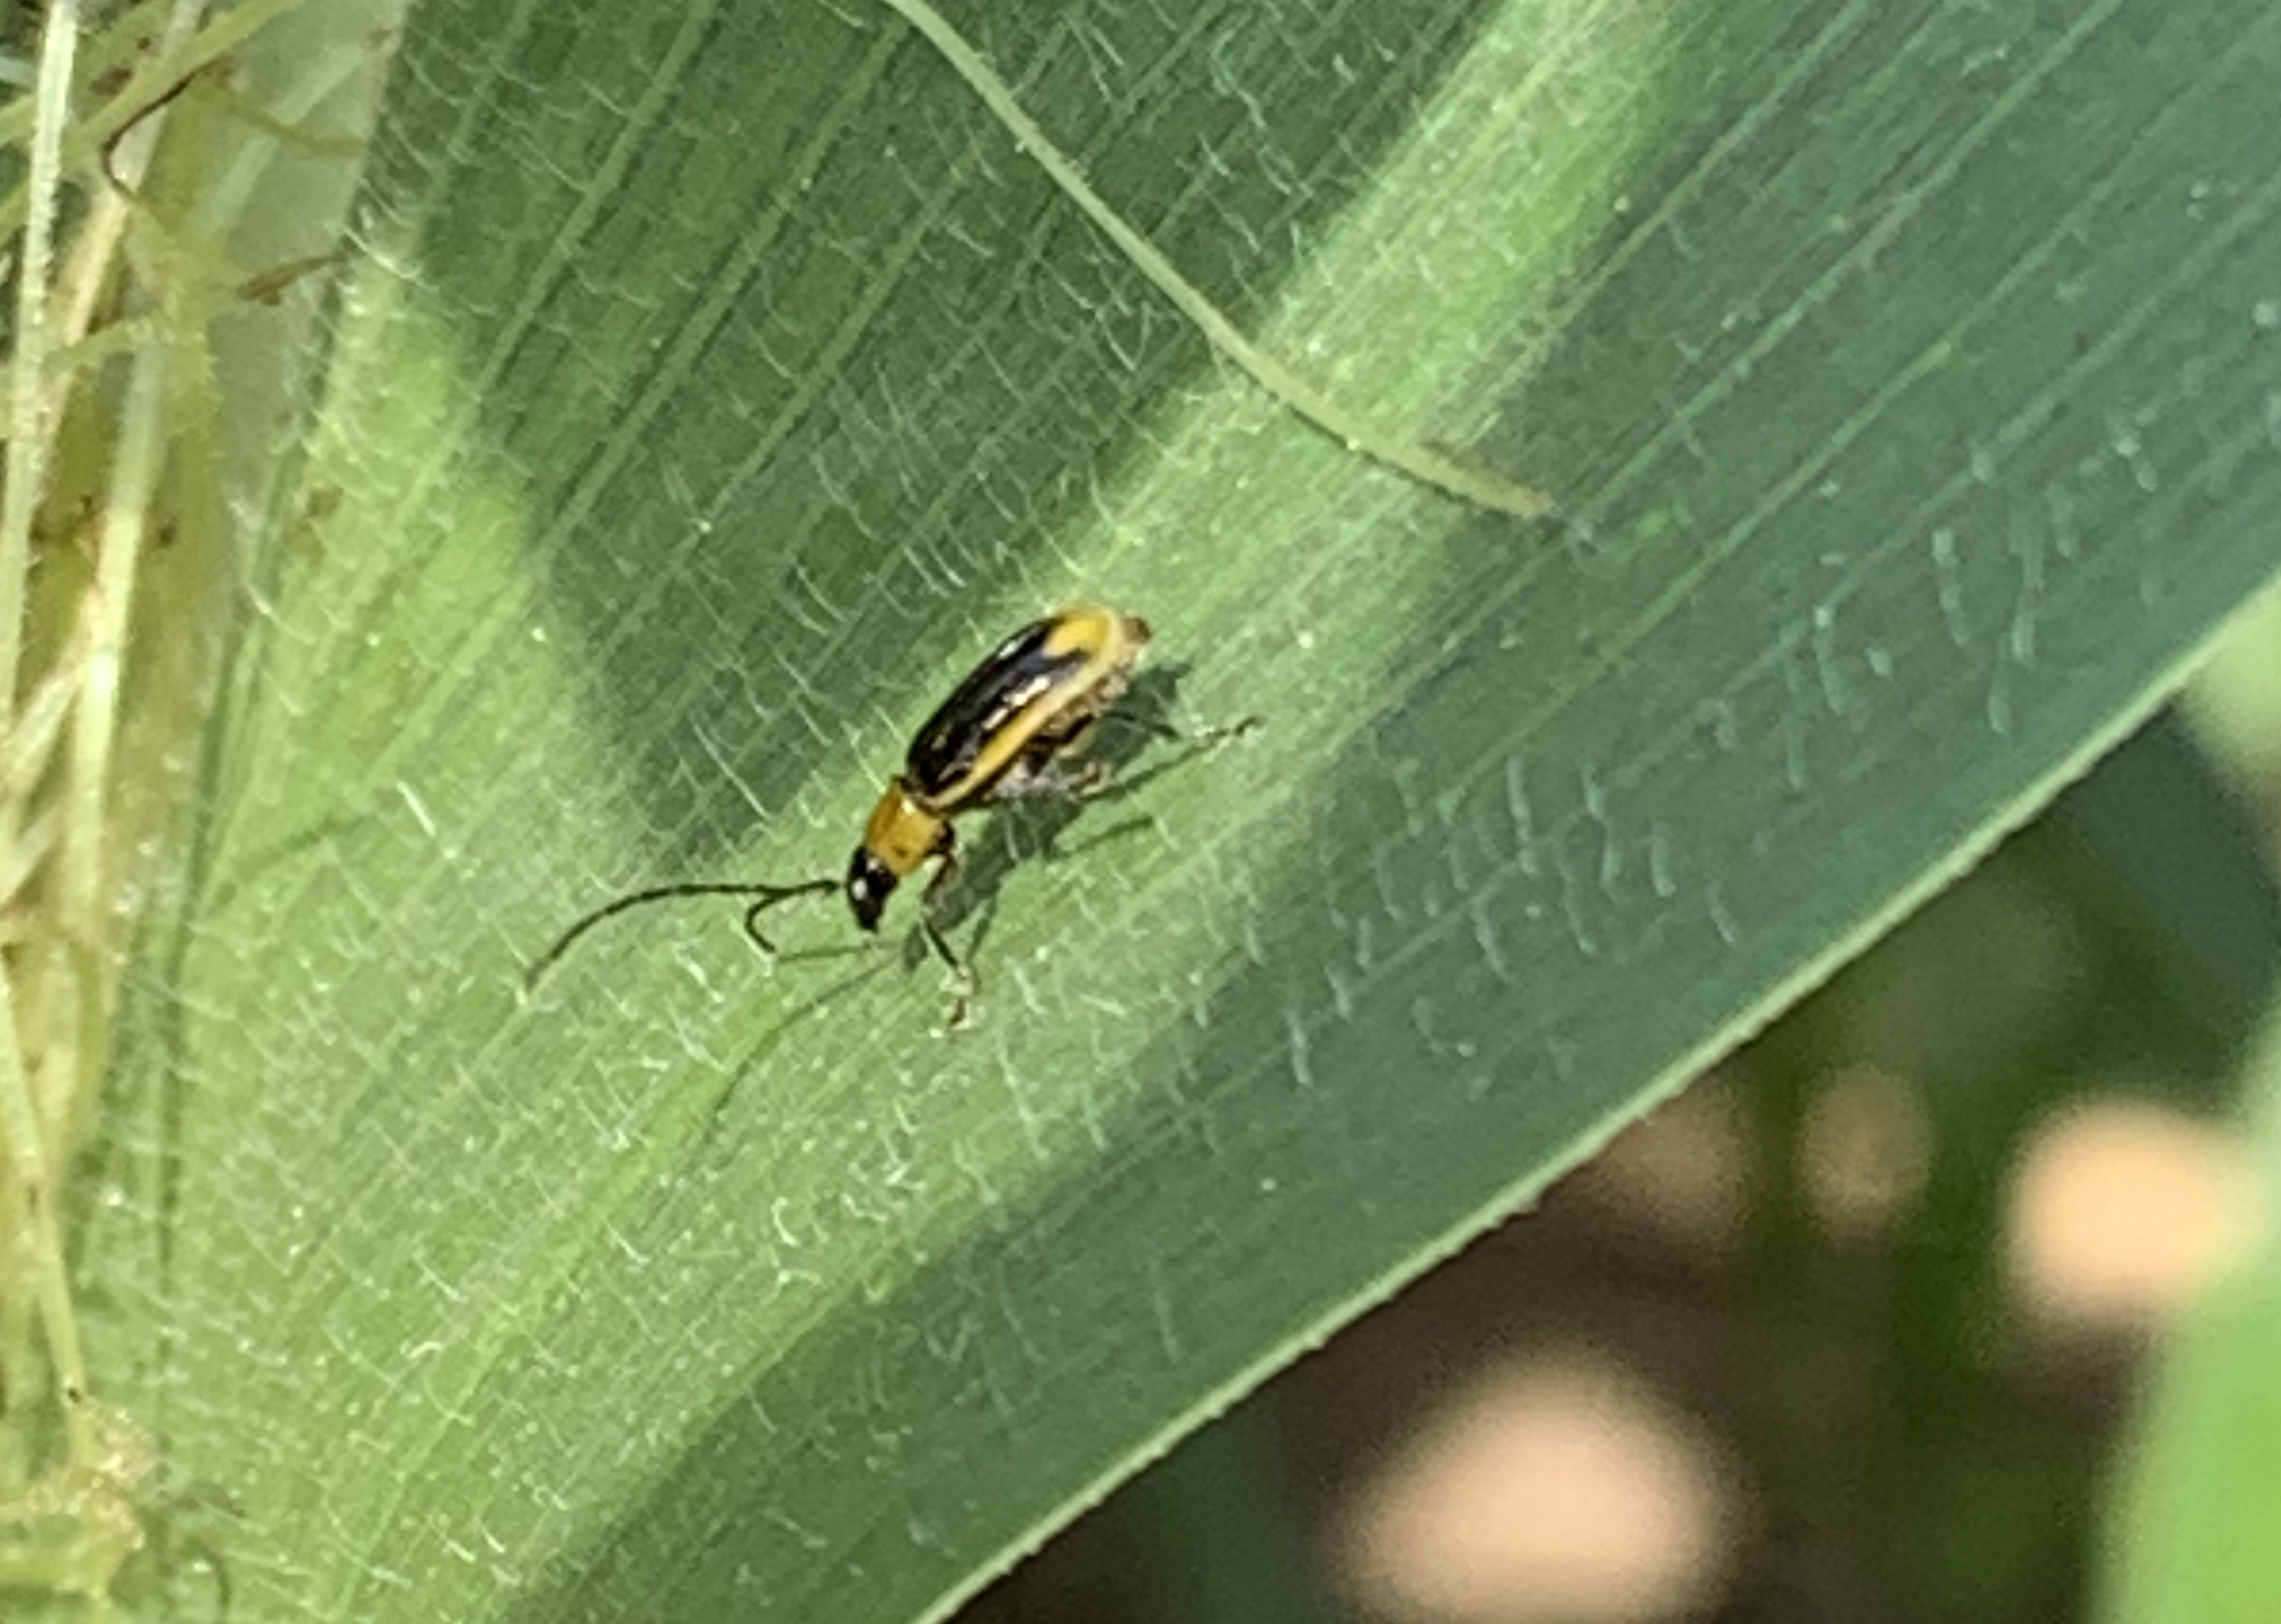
(764, 897)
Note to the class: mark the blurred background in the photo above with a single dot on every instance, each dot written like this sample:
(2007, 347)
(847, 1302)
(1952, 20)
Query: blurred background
(1916, 1309)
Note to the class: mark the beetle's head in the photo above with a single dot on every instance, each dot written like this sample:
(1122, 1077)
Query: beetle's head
(870, 884)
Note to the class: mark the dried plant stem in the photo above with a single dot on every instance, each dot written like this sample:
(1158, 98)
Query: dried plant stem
(1416, 460)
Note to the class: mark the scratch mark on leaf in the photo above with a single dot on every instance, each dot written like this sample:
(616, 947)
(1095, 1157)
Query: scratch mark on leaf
(1524, 820)
(1595, 807)
(2027, 545)
(1795, 771)
(411, 798)
(1660, 877)
(1579, 929)
(1160, 1300)
(1948, 586)
(1492, 946)
(1828, 663)
(1301, 1068)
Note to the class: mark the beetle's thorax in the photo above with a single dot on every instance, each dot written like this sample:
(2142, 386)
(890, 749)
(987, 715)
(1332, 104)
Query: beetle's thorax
(903, 832)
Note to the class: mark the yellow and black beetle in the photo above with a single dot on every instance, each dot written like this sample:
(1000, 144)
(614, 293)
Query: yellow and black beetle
(1007, 732)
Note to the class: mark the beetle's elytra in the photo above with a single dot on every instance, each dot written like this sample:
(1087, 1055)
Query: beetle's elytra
(997, 737)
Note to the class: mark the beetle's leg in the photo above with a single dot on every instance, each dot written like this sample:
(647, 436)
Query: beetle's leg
(966, 985)
(1157, 728)
(1048, 773)
(1052, 780)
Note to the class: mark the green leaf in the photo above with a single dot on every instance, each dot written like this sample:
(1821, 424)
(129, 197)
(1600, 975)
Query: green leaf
(714, 383)
(2203, 1478)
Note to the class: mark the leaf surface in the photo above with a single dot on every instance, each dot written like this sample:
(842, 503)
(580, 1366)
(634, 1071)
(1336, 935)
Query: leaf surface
(714, 384)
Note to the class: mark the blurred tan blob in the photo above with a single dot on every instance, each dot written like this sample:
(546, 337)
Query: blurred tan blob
(2120, 1209)
(1548, 1490)
(1867, 1149)
(1677, 1174)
